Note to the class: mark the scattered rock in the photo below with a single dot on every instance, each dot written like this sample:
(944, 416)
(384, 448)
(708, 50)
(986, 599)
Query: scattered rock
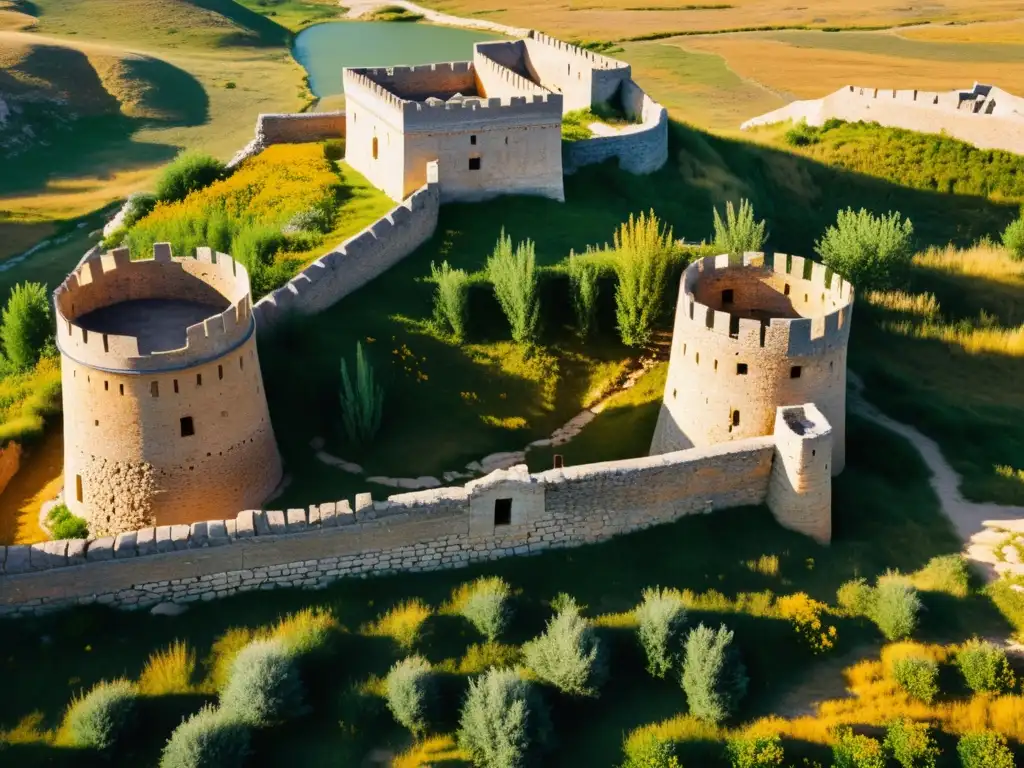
(1011, 553)
(317, 443)
(475, 466)
(381, 480)
(334, 461)
(502, 460)
(168, 609)
(544, 442)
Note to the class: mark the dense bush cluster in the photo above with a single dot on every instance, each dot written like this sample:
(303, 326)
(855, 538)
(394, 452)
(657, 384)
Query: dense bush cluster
(211, 738)
(264, 687)
(919, 677)
(755, 752)
(872, 252)
(513, 273)
(568, 655)
(503, 720)
(65, 525)
(100, 718)
(985, 667)
(911, 744)
(660, 621)
(409, 688)
(362, 400)
(487, 606)
(714, 678)
(26, 325)
(892, 604)
(739, 232)
(984, 749)
(643, 249)
(188, 173)
(852, 750)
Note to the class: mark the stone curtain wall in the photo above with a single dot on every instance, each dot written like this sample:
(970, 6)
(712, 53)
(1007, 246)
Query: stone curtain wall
(357, 260)
(641, 148)
(10, 461)
(420, 531)
(986, 118)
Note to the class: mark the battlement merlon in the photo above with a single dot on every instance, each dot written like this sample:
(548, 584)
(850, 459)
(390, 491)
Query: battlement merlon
(533, 110)
(594, 60)
(802, 336)
(111, 278)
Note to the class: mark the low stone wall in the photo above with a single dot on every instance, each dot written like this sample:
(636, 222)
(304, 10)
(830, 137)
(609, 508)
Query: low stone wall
(359, 259)
(10, 462)
(641, 148)
(508, 512)
(294, 128)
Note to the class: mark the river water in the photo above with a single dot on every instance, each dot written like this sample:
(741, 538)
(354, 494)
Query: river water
(325, 49)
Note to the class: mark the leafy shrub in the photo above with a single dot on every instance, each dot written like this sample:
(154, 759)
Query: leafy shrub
(802, 135)
(1013, 238)
(583, 282)
(984, 750)
(255, 246)
(755, 751)
(740, 232)
(211, 738)
(855, 597)
(944, 573)
(362, 401)
(501, 720)
(895, 606)
(408, 689)
(317, 218)
(918, 677)
(985, 667)
(714, 678)
(650, 752)
(99, 719)
(855, 751)
(910, 744)
(660, 618)
(450, 298)
(568, 654)
(264, 686)
(805, 613)
(188, 172)
(576, 125)
(514, 277)
(487, 606)
(872, 252)
(26, 325)
(643, 250)
(65, 525)
(403, 623)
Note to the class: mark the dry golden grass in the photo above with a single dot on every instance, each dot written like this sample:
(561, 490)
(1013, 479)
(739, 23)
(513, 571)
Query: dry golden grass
(16, 237)
(13, 19)
(169, 671)
(988, 261)
(784, 67)
(982, 32)
(403, 623)
(480, 657)
(766, 565)
(610, 19)
(435, 750)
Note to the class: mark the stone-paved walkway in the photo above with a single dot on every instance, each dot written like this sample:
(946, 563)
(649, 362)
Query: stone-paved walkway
(980, 526)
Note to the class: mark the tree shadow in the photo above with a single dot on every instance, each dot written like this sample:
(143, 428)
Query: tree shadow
(256, 29)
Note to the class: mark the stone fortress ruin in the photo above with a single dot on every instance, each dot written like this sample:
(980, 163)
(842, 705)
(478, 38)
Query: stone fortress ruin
(167, 431)
(751, 336)
(165, 417)
(983, 115)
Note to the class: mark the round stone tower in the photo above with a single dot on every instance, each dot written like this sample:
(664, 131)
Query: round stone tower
(750, 337)
(165, 416)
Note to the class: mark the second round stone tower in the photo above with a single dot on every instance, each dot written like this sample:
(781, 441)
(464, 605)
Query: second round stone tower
(751, 334)
(165, 415)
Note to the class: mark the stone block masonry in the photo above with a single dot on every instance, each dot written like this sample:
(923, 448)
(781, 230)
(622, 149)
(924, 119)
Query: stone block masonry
(506, 513)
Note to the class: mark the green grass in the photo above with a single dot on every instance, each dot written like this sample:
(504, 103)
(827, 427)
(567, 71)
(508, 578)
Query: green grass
(919, 160)
(295, 14)
(885, 516)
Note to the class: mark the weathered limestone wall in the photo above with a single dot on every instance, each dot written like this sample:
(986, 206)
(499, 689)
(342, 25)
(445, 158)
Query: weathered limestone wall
(800, 489)
(581, 76)
(375, 146)
(129, 458)
(425, 530)
(987, 117)
(357, 260)
(641, 148)
(500, 71)
(733, 364)
(10, 462)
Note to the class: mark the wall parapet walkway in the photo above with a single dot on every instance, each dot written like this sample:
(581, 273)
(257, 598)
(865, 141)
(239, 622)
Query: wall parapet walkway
(506, 513)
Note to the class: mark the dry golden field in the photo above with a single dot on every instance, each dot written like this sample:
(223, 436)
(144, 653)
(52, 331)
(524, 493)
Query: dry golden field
(619, 19)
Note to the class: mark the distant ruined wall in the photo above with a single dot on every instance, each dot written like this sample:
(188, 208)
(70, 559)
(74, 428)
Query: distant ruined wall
(10, 462)
(509, 512)
(357, 260)
(641, 148)
(987, 117)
